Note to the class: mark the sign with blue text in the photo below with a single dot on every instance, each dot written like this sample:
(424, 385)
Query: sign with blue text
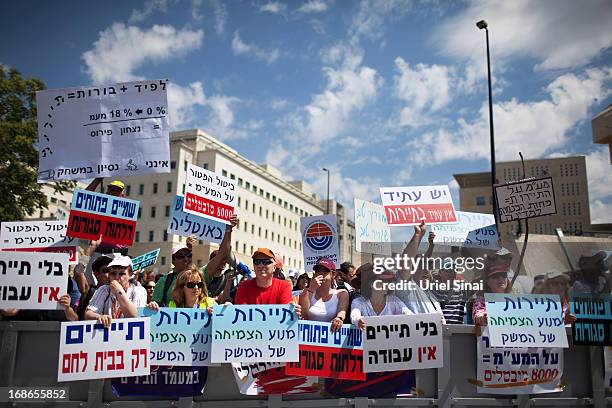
(593, 325)
(372, 234)
(474, 230)
(319, 239)
(186, 224)
(145, 260)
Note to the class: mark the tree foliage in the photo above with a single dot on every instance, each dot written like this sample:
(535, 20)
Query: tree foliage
(20, 194)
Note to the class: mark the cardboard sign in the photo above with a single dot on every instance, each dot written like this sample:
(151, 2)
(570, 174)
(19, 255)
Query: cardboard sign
(593, 325)
(163, 381)
(107, 131)
(531, 198)
(525, 320)
(179, 336)
(372, 233)
(326, 354)
(32, 280)
(184, 224)
(94, 214)
(474, 230)
(247, 334)
(319, 239)
(271, 378)
(209, 195)
(411, 205)
(88, 351)
(517, 370)
(145, 260)
(39, 236)
(403, 342)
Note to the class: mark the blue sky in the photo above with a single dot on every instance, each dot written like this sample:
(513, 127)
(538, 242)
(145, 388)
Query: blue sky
(381, 92)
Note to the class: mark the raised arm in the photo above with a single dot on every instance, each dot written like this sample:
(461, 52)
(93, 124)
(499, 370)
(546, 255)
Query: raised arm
(411, 249)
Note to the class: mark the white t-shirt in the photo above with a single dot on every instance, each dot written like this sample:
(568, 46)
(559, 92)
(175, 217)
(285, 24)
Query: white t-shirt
(363, 307)
(323, 311)
(103, 300)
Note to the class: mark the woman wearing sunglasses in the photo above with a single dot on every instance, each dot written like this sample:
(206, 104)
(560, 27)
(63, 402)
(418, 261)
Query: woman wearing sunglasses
(495, 281)
(189, 291)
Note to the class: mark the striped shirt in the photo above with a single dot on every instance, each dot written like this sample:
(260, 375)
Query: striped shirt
(452, 303)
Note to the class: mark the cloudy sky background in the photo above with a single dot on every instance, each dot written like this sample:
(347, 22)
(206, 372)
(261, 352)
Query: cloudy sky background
(381, 92)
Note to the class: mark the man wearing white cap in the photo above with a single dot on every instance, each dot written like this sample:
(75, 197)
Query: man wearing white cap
(118, 299)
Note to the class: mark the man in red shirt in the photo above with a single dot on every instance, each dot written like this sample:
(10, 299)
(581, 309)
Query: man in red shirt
(265, 289)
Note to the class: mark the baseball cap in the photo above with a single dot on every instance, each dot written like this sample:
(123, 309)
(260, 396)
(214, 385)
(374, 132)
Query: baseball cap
(326, 263)
(177, 248)
(556, 274)
(117, 183)
(121, 261)
(263, 251)
(279, 261)
(495, 270)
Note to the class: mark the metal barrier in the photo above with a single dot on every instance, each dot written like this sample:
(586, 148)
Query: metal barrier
(29, 357)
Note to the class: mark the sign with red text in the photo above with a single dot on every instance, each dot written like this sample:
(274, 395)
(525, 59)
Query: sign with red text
(38, 236)
(271, 378)
(209, 195)
(411, 205)
(89, 351)
(32, 280)
(93, 214)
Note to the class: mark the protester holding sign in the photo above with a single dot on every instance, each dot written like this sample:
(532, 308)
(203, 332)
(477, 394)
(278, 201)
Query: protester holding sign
(189, 291)
(557, 283)
(495, 281)
(321, 302)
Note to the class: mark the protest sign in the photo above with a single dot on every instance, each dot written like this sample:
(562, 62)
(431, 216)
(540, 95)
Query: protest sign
(145, 260)
(531, 198)
(376, 385)
(164, 381)
(372, 233)
(411, 205)
(248, 334)
(326, 354)
(525, 320)
(517, 370)
(271, 378)
(179, 336)
(38, 236)
(93, 214)
(184, 224)
(319, 239)
(105, 131)
(209, 195)
(607, 366)
(89, 351)
(593, 325)
(474, 230)
(32, 280)
(402, 342)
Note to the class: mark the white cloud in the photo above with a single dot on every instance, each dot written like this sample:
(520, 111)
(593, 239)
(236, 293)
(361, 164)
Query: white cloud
(279, 103)
(182, 102)
(241, 48)
(372, 15)
(220, 13)
(599, 172)
(121, 49)
(559, 34)
(601, 213)
(273, 7)
(313, 6)
(149, 7)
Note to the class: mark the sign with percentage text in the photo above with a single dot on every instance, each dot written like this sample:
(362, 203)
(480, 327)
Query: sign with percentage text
(103, 131)
(411, 205)
(209, 195)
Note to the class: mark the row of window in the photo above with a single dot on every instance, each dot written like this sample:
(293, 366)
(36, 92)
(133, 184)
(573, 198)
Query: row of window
(546, 228)
(570, 209)
(569, 170)
(570, 189)
(481, 200)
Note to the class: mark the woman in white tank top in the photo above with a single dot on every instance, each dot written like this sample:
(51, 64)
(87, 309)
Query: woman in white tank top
(320, 301)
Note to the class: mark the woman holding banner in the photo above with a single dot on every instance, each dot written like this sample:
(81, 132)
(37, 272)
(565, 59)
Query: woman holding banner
(495, 281)
(189, 291)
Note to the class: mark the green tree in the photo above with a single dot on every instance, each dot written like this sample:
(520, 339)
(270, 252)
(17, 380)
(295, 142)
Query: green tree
(20, 194)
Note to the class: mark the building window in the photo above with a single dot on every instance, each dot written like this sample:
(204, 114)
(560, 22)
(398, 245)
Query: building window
(141, 189)
(165, 236)
(268, 196)
(154, 188)
(127, 190)
(248, 185)
(53, 200)
(260, 211)
(244, 249)
(153, 212)
(562, 189)
(239, 182)
(246, 205)
(254, 188)
(266, 234)
(172, 165)
(224, 173)
(185, 165)
(139, 212)
(151, 236)
(253, 208)
(183, 189)
(272, 235)
(261, 192)
(137, 236)
(167, 212)
(239, 201)
(252, 250)
(169, 187)
(163, 258)
(259, 232)
(480, 200)
(267, 214)
(233, 177)
(245, 226)
(253, 229)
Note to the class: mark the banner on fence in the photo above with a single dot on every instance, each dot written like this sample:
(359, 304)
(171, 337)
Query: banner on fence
(524, 199)
(89, 351)
(39, 236)
(593, 325)
(319, 239)
(145, 260)
(185, 224)
(411, 205)
(164, 381)
(271, 378)
(474, 230)
(372, 234)
(525, 320)
(209, 195)
(106, 131)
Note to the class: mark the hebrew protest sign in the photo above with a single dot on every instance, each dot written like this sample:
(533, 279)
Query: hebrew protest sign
(473, 230)
(179, 336)
(403, 342)
(319, 239)
(248, 334)
(525, 320)
(531, 198)
(93, 214)
(89, 351)
(145, 260)
(517, 370)
(164, 381)
(38, 236)
(411, 205)
(326, 354)
(372, 233)
(593, 325)
(185, 224)
(105, 131)
(271, 378)
(32, 280)
(209, 195)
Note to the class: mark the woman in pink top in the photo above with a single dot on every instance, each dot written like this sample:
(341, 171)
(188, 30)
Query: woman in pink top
(495, 281)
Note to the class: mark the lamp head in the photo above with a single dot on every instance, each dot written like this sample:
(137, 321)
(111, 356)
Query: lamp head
(482, 24)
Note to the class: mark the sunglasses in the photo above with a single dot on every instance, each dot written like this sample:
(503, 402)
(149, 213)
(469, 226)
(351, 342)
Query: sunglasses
(192, 285)
(150, 287)
(179, 256)
(262, 261)
(117, 274)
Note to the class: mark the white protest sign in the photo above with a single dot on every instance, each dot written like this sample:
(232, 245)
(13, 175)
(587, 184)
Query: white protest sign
(209, 195)
(319, 239)
(39, 236)
(517, 370)
(32, 280)
(89, 351)
(534, 197)
(525, 320)
(103, 131)
(372, 233)
(411, 205)
(475, 230)
(402, 342)
(184, 224)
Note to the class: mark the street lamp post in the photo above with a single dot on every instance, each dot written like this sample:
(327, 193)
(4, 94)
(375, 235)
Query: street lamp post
(483, 25)
(327, 170)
